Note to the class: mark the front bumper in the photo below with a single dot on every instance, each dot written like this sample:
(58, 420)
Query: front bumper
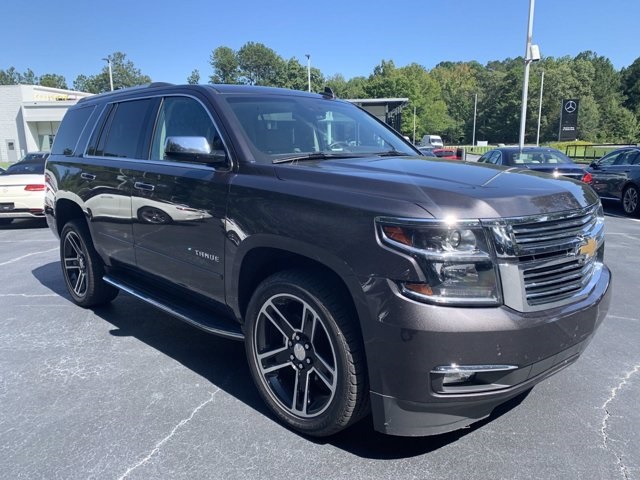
(407, 340)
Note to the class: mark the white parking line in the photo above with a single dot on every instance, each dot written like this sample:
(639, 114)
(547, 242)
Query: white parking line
(27, 255)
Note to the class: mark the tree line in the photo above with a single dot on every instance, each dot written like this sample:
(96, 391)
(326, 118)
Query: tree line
(442, 98)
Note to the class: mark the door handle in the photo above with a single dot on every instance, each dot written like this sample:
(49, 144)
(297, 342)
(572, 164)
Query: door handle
(87, 176)
(144, 186)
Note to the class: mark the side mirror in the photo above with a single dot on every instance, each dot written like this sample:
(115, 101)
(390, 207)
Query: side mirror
(594, 165)
(193, 149)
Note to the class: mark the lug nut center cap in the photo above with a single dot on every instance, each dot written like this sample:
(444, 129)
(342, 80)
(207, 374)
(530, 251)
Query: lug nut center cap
(299, 352)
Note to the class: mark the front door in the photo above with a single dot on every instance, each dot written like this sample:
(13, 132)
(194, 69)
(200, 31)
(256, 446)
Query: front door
(178, 208)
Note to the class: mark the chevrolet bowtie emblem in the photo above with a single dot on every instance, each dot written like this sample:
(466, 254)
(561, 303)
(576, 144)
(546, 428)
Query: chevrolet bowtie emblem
(589, 248)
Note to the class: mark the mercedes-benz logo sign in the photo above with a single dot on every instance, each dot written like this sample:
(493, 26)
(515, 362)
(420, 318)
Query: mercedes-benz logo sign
(570, 106)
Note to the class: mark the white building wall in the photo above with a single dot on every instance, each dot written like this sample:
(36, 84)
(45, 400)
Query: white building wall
(10, 103)
(30, 115)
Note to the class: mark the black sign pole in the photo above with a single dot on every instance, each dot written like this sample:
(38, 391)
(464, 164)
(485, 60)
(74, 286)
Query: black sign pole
(560, 121)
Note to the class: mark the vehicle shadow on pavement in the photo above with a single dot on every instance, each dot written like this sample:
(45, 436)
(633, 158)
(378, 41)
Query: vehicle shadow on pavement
(363, 441)
(220, 361)
(25, 224)
(223, 363)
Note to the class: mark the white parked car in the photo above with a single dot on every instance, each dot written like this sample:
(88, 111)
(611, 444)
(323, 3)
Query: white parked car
(22, 189)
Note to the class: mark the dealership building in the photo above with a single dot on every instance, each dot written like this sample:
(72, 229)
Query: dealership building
(30, 116)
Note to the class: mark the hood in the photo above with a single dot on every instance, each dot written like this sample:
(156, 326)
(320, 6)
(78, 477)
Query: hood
(446, 188)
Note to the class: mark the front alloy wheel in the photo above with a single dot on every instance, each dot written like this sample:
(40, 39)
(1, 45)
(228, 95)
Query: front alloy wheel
(295, 355)
(305, 353)
(631, 201)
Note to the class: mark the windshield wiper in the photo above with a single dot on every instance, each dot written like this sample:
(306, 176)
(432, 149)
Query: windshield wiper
(391, 153)
(314, 156)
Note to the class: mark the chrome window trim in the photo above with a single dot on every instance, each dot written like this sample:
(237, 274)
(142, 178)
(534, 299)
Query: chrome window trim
(106, 105)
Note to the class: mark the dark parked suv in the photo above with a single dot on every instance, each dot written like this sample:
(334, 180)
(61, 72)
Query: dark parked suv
(360, 275)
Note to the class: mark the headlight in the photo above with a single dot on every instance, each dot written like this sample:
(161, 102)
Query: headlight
(454, 257)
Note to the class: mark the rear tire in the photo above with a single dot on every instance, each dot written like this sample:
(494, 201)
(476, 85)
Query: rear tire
(631, 201)
(305, 353)
(82, 267)
(5, 221)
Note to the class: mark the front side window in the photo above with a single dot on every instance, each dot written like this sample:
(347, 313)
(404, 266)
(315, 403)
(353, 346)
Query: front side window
(610, 159)
(626, 158)
(277, 128)
(183, 117)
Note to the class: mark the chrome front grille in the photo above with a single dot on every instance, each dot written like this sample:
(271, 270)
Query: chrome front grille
(554, 233)
(557, 280)
(549, 260)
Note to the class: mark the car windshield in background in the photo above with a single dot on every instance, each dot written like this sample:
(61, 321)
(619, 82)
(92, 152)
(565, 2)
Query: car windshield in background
(22, 168)
(35, 156)
(546, 157)
(315, 128)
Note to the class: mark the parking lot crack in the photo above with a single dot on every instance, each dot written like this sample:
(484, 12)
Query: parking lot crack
(607, 415)
(159, 445)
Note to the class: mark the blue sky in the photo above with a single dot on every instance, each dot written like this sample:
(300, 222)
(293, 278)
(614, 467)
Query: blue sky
(167, 40)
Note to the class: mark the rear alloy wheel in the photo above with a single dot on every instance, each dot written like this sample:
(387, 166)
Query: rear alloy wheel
(82, 267)
(631, 200)
(305, 354)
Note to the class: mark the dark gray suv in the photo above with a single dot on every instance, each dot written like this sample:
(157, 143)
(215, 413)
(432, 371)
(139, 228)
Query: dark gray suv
(361, 276)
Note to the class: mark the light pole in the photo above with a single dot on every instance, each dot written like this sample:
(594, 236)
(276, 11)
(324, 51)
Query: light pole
(414, 124)
(108, 60)
(531, 54)
(475, 110)
(540, 108)
(309, 69)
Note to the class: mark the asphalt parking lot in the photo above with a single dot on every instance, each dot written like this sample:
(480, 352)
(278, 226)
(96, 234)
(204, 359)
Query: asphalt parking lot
(128, 392)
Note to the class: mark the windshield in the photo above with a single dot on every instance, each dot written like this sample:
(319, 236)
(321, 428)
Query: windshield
(539, 157)
(22, 168)
(278, 127)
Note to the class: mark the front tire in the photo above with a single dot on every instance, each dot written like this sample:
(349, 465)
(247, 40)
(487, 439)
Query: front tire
(631, 201)
(82, 267)
(305, 354)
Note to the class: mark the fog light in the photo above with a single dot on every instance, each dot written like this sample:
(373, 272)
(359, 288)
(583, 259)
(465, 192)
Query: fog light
(457, 377)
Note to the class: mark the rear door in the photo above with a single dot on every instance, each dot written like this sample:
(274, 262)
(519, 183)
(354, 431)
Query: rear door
(612, 172)
(178, 207)
(119, 142)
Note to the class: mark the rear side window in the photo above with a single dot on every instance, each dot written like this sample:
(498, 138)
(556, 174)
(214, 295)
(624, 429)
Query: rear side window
(70, 130)
(128, 124)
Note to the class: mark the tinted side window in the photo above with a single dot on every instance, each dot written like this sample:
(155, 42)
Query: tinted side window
(609, 159)
(70, 130)
(129, 122)
(626, 158)
(183, 117)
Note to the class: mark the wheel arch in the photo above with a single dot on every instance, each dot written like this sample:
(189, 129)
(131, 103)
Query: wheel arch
(263, 257)
(67, 210)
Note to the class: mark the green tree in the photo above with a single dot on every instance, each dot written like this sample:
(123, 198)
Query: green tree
(260, 65)
(10, 76)
(459, 85)
(224, 62)
(52, 80)
(631, 86)
(124, 72)
(194, 78)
